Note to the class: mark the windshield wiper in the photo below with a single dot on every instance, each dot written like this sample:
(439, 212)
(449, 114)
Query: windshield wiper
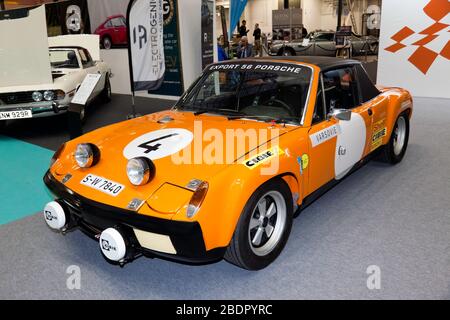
(286, 120)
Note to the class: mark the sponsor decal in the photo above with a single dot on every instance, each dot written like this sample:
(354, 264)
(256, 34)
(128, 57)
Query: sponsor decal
(342, 151)
(264, 67)
(325, 135)
(49, 216)
(380, 131)
(264, 157)
(107, 246)
(303, 161)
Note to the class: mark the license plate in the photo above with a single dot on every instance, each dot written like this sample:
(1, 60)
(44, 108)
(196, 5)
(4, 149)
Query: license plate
(12, 115)
(104, 185)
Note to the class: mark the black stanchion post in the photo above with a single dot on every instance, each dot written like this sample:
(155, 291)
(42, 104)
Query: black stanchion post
(74, 120)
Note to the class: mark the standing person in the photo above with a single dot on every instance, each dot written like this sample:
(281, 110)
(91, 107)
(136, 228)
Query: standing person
(245, 49)
(257, 36)
(304, 32)
(243, 29)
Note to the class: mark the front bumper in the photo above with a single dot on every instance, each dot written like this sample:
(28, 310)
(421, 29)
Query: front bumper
(39, 109)
(93, 217)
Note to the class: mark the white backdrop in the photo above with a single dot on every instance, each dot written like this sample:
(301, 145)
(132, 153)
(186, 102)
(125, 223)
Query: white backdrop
(417, 67)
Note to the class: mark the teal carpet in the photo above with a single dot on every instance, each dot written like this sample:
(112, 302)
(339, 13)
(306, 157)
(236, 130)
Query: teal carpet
(22, 191)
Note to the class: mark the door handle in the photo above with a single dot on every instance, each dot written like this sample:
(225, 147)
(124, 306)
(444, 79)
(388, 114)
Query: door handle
(370, 112)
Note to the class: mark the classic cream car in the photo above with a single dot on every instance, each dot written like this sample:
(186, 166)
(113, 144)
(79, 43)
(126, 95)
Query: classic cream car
(71, 58)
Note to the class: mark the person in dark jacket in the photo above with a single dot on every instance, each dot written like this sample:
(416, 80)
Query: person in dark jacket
(243, 29)
(257, 42)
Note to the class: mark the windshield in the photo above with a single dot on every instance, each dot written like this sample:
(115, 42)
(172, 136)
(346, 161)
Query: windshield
(252, 92)
(64, 59)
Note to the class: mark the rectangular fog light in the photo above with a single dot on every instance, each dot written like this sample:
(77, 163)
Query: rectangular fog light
(155, 242)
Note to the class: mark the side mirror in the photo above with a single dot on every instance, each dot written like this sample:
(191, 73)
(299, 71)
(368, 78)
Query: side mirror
(341, 114)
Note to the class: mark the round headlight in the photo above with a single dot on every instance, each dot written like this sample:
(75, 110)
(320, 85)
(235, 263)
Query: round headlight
(49, 95)
(87, 155)
(37, 96)
(140, 171)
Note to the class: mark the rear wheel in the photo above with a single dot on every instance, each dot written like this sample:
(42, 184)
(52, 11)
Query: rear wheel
(395, 150)
(263, 228)
(287, 52)
(106, 43)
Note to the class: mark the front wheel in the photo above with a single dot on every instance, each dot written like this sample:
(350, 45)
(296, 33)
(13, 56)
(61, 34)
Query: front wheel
(263, 228)
(395, 150)
(106, 43)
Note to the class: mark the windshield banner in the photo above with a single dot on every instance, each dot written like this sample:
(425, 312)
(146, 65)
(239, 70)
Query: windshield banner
(257, 67)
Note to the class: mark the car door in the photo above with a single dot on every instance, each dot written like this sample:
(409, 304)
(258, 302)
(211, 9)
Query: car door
(337, 145)
(324, 45)
(119, 31)
(90, 67)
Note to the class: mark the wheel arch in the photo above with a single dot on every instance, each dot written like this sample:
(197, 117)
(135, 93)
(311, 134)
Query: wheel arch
(218, 230)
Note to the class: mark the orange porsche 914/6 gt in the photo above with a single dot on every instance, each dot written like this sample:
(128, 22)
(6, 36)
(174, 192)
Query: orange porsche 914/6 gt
(223, 173)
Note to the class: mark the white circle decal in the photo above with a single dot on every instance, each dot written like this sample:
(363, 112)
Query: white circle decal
(350, 145)
(158, 144)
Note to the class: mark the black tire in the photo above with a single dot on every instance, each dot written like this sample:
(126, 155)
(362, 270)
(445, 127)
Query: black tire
(241, 252)
(105, 95)
(389, 154)
(106, 42)
(287, 52)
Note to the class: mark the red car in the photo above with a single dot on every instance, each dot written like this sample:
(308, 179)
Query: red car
(113, 32)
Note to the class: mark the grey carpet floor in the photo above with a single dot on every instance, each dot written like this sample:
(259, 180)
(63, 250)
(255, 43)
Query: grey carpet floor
(396, 218)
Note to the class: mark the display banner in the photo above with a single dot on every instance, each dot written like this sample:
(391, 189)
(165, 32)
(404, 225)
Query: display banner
(63, 17)
(207, 32)
(415, 47)
(172, 84)
(236, 9)
(146, 46)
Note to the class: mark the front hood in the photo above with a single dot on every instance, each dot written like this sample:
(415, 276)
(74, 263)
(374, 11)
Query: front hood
(182, 147)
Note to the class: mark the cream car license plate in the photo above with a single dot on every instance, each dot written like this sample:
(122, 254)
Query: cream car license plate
(12, 115)
(104, 185)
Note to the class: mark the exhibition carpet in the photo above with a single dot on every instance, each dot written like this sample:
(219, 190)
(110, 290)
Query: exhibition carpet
(394, 218)
(22, 166)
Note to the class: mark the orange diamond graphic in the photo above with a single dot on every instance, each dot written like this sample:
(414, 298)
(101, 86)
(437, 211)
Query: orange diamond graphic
(423, 58)
(402, 34)
(446, 51)
(437, 9)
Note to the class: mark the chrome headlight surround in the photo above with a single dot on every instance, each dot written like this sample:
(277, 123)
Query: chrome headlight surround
(49, 95)
(140, 171)
(37, 96)
(87, 155)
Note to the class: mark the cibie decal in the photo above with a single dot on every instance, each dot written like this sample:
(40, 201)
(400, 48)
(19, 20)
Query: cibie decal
(158, 144)
(378, 135)
(325, 135)
(261, 158)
